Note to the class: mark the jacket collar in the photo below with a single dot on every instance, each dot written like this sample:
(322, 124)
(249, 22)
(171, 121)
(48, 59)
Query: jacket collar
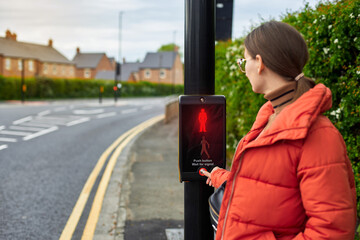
(294, 121)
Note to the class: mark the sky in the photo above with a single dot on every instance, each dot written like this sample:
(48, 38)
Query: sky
(146, 25)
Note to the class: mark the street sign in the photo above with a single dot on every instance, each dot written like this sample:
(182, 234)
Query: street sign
(202, 141)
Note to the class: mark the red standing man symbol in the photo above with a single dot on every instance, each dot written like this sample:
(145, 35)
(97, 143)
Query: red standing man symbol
(202, 120)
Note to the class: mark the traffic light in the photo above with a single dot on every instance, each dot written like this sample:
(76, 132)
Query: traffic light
(202, 126)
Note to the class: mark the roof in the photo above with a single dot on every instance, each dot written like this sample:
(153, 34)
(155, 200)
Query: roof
(44, 53)
(87, 60)
(105, 75)
(159, 60)
(127, 68)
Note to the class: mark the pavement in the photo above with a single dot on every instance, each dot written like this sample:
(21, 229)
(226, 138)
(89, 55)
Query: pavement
(145, 199)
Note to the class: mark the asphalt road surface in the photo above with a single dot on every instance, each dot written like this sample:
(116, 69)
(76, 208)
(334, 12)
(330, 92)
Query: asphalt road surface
(48, 150)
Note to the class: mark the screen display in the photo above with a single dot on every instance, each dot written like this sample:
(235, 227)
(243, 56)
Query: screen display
(202, 136)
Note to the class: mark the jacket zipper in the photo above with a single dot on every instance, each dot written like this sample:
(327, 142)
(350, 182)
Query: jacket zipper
(231, 194)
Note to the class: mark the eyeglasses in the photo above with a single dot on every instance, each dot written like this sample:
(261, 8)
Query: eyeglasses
(241, 63)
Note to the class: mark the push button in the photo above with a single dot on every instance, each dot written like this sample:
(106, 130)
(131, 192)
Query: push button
(201, 172)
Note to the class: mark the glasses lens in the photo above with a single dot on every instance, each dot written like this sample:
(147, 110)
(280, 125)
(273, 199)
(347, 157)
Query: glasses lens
(241, 63)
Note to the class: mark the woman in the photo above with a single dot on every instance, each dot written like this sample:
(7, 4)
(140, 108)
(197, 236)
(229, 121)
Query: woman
(290, 177)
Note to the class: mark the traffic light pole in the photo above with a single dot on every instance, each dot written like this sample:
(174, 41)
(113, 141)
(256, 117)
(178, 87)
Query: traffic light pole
(199, 80)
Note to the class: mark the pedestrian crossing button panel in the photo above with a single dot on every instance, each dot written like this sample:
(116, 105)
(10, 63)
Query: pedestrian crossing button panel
(202, 142)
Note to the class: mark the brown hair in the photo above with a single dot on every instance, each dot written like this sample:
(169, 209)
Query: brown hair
(283, 50)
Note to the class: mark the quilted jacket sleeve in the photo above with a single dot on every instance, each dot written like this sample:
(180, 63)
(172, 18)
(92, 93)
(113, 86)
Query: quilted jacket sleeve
(219, 176)
(327, 187)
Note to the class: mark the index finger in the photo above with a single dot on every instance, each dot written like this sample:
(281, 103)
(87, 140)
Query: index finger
(206, 173)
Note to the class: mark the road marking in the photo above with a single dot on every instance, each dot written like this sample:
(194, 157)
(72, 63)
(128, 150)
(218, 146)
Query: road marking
(84, 195)
(93, 218)
(174, 233)
(25, 128)
(15, 133)
(105, 115)
(2, 147)
(52, 120)
(8, 139)
(38, 134)
(35, 124)
(22, 120)
(81, 120)
(93, 111)
(129, 111)
(43, 113)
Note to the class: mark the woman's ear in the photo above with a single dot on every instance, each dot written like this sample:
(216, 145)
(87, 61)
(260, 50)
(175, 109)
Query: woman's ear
(259, 63)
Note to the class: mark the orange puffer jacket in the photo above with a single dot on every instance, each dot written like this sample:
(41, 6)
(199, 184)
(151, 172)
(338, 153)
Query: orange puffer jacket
(294, 181)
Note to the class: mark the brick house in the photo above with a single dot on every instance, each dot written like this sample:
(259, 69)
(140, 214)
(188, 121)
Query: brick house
(37, 60)
(89, 64)
(162, 67)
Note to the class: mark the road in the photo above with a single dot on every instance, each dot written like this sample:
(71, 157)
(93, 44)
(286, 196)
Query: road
(48, 150)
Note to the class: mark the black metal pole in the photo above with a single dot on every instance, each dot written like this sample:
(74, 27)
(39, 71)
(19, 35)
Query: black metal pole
(199, 80)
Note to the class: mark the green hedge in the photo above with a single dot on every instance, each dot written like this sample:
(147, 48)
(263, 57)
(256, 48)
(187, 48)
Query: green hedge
(332, 31)
(46, 88)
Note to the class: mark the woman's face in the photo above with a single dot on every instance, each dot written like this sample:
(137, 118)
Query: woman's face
(252, 72)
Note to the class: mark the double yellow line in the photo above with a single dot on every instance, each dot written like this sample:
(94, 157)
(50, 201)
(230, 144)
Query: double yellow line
(118, 145)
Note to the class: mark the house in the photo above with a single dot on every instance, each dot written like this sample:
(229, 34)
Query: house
(89, 64)
(36, 59)
(162, 67)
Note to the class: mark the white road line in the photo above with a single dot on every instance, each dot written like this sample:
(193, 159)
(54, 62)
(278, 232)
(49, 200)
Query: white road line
(25, 128)
(129, 111)
(8, 139)
(2, 127)
(83, 112)
(43, 113)
(22, 120)
(105, 115)
(15, 133)
(81, 120)
(38, 134)
(35, 124)
(52, 121)
(2, 147)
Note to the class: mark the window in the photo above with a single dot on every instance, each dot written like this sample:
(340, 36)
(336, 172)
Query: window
(20, 65)
(71, 71)
(162, 73)
(45, 68)
(87, 73)
(31, 65)
(147, 73)
(54, 69)
(63, 70)
(7, 63)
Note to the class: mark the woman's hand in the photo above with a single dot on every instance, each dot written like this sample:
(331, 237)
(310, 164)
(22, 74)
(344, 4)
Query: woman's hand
(208, 175)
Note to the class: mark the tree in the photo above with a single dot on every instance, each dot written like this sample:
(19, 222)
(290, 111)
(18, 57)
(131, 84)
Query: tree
(168, 47)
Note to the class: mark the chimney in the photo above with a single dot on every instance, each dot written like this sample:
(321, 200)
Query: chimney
(50, 42)
(124, 60)
(8, 34)
(77, 50)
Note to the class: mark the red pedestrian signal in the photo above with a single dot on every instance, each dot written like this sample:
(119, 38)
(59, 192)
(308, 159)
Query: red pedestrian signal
(202, 120)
